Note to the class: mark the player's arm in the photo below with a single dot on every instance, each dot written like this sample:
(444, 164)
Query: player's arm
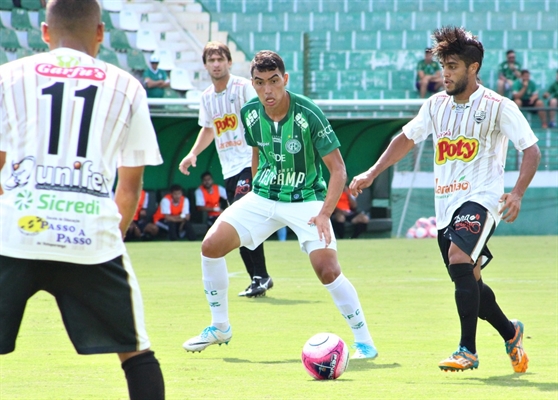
(204, 139)
(255, 160)
(396, 150)
(512, 201)
(2, 162)
(127, 194)
(337, 178)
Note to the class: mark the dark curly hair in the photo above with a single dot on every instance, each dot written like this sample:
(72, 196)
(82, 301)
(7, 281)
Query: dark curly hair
(267, 60)
(452, 40)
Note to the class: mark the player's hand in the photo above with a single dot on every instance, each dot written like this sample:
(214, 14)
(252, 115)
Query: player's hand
(187, 162)
(360, 182)
(321, 222)
(510, 204)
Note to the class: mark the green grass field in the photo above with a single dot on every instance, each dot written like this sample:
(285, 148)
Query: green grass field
(405, 293)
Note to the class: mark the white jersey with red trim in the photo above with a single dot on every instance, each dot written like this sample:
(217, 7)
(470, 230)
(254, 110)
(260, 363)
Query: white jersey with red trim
(470, 146)
(67, 122)
(221, 111)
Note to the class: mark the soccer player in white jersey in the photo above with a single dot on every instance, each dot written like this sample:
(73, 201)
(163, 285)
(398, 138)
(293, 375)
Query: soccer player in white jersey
(471, 126)
(219, 118)
(290, 138)
(68, 123)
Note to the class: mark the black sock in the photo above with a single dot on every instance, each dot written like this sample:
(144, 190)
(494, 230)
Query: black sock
(467, 300)
(338, 229)
(257, 258)
(490, 311)
(144, 376)
(358, 229)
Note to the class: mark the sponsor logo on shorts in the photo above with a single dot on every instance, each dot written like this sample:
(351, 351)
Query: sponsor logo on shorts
(242, 187)
(464, 149)
(468, 222)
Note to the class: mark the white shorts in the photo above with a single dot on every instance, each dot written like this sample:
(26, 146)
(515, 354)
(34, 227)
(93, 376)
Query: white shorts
(256, 218)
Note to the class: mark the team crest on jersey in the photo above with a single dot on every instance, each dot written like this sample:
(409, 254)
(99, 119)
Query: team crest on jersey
(293, 146)
(232, 98)
(462, 148)
(229, 122)
(21, 171)
(479, 116)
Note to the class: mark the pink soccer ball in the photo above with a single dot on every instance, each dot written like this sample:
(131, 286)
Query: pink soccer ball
(411, 233)
(325, 356)
(421, 232)
(422, 222)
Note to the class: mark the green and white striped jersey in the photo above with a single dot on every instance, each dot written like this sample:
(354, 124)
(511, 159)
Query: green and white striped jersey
(290, 150)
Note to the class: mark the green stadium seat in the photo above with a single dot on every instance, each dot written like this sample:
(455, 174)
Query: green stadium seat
(492, 59)
(296, 82)
(282, 6)
(108, 56)
(418, 40)
(371, 94)
(255, 6)
(225, 21)
(403, 80)
(508, 5)
(539, 59)
(292, 60)
(273, 22)
(333, 6)
(483, 6)
(242, 40)
(298, 22)
(8, 40)
(291, 41)
(400, 21)
(475, 22)
(20, 20)
(105, 17)
(459, 6)
(21, 53)
(322, 22)
(229, 6)
(544, 39)
(247, 22)
(3, 57)
(382, 5)
(360, 59)
(359, 6)
(540, 5)
(366, 41)
(502, 21)
(6, 4)
(549, 21)
(518, 39)
(35, 40)
(377, 79)
(433, 6)
(136, 60)
(341, 40)
(266, 41)
(42, 16)
(324, 80)
(305, 7)
(171, 94)
(386, 59)
(119, 41)
(492, 40)
(527, 20)
(391, 40)
(31, 4)
(375, 21)
(351, 80)
(449, 18)
(350, 21)
(335, 60)
(396, 94)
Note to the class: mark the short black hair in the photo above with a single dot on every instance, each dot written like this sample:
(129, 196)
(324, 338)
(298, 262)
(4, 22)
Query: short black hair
(267, 60)
(206, 173)
(452, 40)
(73, 15)
(216, 48)
(176, 187)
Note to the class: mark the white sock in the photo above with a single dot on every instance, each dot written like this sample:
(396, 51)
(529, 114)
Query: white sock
(216, 287)
(345, 298)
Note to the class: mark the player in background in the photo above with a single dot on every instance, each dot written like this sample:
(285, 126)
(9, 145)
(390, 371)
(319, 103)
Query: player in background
(69, 122)
(471, 126)
(290, 137)
(219, 118)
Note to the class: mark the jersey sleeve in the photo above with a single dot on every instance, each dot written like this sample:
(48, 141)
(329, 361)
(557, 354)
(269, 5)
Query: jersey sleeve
(203, 117)
(514, 125)
(186, 206)
(3, 122)
(324, 138)
(244, 113)
(165, 206)
(417, 128)
(222, 192)
(140, 146)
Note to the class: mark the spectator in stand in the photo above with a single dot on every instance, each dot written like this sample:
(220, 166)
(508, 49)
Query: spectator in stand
(209, 196)
(508, 72)
(552, 95)
(142, 225)
(173, 215)
(429, 77)
(525, 94)
(155, 80)
(346, 210)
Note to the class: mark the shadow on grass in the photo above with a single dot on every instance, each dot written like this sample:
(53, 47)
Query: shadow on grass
(284, 302)
(364, 364)
(244, 361)
(517, 380)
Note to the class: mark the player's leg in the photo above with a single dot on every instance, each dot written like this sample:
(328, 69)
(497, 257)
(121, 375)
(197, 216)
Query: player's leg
(553, 103)
(254, 260)
(338, 223)
(86, 296)
(246, 223)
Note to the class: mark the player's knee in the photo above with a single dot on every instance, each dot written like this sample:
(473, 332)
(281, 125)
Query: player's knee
(457, 271)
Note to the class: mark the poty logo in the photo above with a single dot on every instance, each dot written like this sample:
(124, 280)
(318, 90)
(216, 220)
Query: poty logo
(54, 71)
(227, 123)
(459, 149)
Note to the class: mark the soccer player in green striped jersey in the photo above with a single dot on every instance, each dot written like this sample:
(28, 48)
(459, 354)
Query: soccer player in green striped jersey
(290, 138)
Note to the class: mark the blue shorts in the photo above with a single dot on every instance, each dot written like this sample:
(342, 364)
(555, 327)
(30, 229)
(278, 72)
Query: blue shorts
(470, 228)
